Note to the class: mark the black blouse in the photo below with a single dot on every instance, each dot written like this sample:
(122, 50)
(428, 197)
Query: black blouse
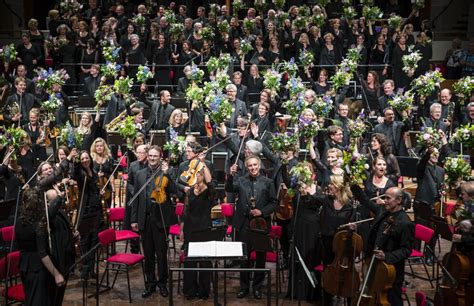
(197, 213)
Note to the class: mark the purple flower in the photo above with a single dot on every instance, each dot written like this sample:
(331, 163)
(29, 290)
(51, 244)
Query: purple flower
(292, 61)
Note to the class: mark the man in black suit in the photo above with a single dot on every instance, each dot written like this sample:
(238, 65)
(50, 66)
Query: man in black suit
(153, 220)
(139, 164)
(91, 82)
(30, 85)
(241, 88)
(388, 94)
(240, 109)
(201, 16)
(24, 101)
(160, 112)
(256, 198)
(435, 121)
(394, 131)
(185, 81)
(335, 137)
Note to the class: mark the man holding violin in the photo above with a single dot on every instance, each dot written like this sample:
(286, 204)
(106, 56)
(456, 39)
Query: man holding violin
(256, 199)
(152, 215)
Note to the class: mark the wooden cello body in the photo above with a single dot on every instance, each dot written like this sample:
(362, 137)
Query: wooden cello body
(340, 278)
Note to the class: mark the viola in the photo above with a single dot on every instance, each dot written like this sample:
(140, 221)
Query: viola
(378, 278)
(285, 209)
(189, 176)
(159, 192)
(340, 277)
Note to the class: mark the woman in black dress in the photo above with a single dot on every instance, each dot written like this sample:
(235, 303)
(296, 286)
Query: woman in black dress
(90, 55)
(275, 52)
(103, 165)
(83, 35)
(134, 57)
(29, 55)
(89, 129)
(36, 37)
(162, 57)
(380, 56)
(371, 92)
(152, 41)
(330, 54)
(399, 76)
(38, 273)
(197, 218)
(254, 83)
(321, 86)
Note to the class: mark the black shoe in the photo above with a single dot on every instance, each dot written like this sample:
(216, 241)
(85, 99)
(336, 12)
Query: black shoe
(164, 291)
(242, 294)
(257, 294)
(148, 291)
(203, 296)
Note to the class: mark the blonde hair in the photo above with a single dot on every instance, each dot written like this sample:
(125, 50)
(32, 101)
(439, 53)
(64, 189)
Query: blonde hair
(34, 111)
(94, 153)
(335, 150)
(309, 111)
(174, 113)
(85, 129)
(343, 190)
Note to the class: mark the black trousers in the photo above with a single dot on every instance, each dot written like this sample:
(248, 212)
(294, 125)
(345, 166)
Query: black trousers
(258, 277)
(155, 248)
(285, 237)
(394, 294)
(194, 282)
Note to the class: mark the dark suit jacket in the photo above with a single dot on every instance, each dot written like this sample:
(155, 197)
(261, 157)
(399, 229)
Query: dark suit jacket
(155, 108)
(242, 92)
(438, 125)
(430, 180)
(396, 137)
(139, 208)
(28, 101)
(132, 172)
(240, 109)
(183, 84)
(265, 196)
(90, 85)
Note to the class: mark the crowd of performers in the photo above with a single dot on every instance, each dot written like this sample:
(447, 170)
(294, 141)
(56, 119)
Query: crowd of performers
(310, 183)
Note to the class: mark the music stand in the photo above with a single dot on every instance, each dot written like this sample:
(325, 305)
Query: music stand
(442, 227)
(407, 166)
(423, 213)
(114, 138)
(157, 137)
(210, 234)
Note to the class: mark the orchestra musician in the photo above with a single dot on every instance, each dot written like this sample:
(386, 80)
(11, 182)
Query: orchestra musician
(103, 165)
(37, 133)
(19, 104)
(256, 198)
(160, 112)
(89, 129)
(153, 219)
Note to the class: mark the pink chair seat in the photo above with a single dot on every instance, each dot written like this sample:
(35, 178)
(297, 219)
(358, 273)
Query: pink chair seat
(179, 211)
(116, 214)
(125, 177)
(181, 258)
(126, 259)
(122, 235)
(275, 232)
(17, 293)
(449, 209)
(227, 210)
(404, 290)
(270, 256)
(175, 229)
(228, 232)
(416, 253)
(319, 268)
(8, 233)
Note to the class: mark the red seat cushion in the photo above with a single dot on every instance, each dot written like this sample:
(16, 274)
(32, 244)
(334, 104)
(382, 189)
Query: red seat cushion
(275, 232)
(228, 232)
(17, 293)
(404, 290)
(270, 256)
(122, 235)
(127, 259)
(319, 268)
(416, 253)
(124, 177)
(181, 258)
(175, 229)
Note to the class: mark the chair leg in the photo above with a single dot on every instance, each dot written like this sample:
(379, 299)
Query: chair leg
(427, 273)
(411, 268)
(128, 285)
(115, 278)
(103, 274)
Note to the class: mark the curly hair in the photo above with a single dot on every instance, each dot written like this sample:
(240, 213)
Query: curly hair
(385, 146)
(32, 208)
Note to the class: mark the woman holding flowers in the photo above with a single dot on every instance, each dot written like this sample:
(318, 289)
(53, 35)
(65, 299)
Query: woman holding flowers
(321, 86)
(89, 129)
(423, 45)
(103, 166)
(254, 83)
(177, 126)
(328, 168)
(134, 56)
(379, 55)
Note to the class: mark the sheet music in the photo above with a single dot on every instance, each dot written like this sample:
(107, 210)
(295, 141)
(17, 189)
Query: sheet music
(215, 249)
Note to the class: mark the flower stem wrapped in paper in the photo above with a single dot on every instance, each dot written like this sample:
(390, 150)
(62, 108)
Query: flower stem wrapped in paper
(300, 176)
(456, 169)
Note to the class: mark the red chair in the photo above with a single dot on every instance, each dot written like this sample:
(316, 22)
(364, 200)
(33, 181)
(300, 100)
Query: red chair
(424, 234)
(119, 262)
(420, 298)
(227, 210)
(175, 229)
(8, 233)
(10, 273)
(116, 217)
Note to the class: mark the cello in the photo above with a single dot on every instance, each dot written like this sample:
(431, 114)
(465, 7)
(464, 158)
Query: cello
(340, 277)
(284, 211)
(378, 279)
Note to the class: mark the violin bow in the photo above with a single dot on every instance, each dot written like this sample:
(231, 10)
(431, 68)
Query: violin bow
(47, 221)
(7, 156)
(382, 195)
(242, 143)
(35, 174)
(215, 145)
(80, 204)
(113, 172)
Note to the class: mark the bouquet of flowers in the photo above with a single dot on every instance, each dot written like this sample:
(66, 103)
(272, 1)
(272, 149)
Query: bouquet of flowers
(463, 88)
(300, 175)
(194, 94)
(123, 85)
(307, 128)
(46, 78)
(222, 79)
(465, 135)
(8, 53)
(349, 63)
(306, 58)
(340, 79)
(456, 169)
(290, 68)
(429, 137)
(367, 2)
(219, 63)
(70, 137)
(176, 29)
(410, 61)
(207, 33)
(103, 94)
(284, 142)
(357, 127)
(248, 25)
(323, 3)
(371, 13)
(214, 8)
(300, 22)
(144, 73)
(260, 5)
(139, 20)
(426, 84)
(128, 130)
(237, 5)
(13, 136)
(220, 109)
(402, 103)
(246, 46)
(69, 7)
(355, 167)
(419, 4)
(349, 13)
(170, 17)
(304, 11)
(318, 20)
(295, 87)
(294, 108)
(110, 53)
(196, 74)
(282, 16)
(322, 106)
(110, 69)
(279, 4)
(175, 146)
(272, 81)
(223, 26)
(51, 105)
(395, 22)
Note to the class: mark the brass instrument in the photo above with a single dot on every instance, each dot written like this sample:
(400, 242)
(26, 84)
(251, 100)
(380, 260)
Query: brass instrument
(113, 125)
(14, 108)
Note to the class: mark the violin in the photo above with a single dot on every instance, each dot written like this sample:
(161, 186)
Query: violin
(72, 196)
(189, 176)
(340, 277)
(378, 278)
(158, 194)
(285, 210)
(105, 195)
(257, 224)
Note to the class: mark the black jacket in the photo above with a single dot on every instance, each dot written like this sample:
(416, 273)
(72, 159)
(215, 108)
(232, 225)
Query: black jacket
(154, 122)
